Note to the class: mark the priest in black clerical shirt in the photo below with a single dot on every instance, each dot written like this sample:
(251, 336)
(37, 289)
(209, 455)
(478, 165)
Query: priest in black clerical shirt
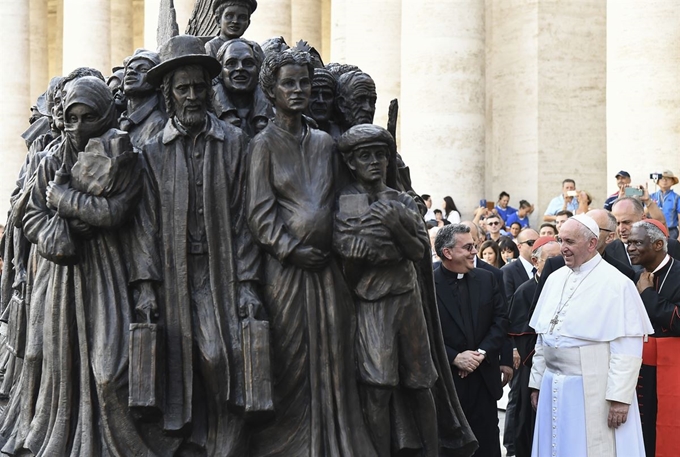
(474, 326)
(659, 287)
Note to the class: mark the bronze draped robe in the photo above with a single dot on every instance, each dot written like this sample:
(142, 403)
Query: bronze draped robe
(81, 406)
(233, 257)
(311, 313)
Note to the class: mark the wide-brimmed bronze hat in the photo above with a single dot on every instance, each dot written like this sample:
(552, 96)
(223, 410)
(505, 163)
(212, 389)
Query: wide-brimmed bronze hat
(180, 51)
(669, 174)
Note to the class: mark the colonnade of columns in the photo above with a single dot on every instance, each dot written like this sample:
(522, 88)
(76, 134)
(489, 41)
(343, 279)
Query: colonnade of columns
(546, 120)
(495, 94)
(15, 85)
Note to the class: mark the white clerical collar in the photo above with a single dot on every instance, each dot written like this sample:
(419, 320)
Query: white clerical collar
(663, 263)
(589, 265)
(527, 266)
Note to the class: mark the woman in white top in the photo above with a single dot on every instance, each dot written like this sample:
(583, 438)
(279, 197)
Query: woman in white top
(451, 213)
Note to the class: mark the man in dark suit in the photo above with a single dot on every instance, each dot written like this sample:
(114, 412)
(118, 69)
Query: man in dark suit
(507, 352)
(515, 274)
(474, 326)
(521, 270)
(525, 340)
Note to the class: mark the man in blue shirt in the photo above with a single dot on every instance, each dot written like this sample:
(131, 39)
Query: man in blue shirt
(565, 201)
(521, 216)
(668, 201)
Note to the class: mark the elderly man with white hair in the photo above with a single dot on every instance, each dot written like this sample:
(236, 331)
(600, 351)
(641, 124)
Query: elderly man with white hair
(659, 289)
(590, 323)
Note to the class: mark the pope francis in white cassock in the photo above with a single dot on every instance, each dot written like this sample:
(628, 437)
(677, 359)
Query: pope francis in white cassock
(590, 323)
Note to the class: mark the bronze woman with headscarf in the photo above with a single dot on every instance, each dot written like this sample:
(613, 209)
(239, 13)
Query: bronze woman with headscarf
(83, 195)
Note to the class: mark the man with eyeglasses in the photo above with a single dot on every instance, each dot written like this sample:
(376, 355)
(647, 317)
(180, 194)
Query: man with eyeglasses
(507, 351)
(659, 289)
(474, 325)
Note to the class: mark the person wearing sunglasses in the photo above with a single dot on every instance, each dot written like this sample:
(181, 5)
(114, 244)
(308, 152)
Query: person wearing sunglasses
(520, 271)
(494, 224)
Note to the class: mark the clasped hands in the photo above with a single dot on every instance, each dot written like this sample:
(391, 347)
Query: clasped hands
(467, 362)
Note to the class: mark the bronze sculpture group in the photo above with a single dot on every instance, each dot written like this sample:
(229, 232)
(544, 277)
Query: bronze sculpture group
(219, 254)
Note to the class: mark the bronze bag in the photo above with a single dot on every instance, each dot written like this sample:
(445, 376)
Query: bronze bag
(259, 403)
(145, 383)
(16, 325)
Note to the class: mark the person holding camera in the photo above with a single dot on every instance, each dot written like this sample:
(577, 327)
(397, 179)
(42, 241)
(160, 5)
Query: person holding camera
(565, 201)
(622, 181)
(667, 200)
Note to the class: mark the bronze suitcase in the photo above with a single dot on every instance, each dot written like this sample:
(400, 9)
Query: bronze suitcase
(144, 370)
(16, 325)
(259, 403)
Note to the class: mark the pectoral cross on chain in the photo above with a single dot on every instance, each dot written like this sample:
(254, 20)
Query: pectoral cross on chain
(553, 322)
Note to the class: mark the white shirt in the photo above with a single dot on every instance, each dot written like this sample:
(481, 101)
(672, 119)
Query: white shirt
(527, 266)
(429, 215)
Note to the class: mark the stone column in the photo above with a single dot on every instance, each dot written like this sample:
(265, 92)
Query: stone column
(546, 105)
(326, 30)
(87, 39)
(373, 42)
(306, 22)
(338, 32)
(442, 99)
(55, 30)
(14, 93)
(38, 19)
(643, 91)
(138, 16)
(272, 18)
(122, 31)
(151, 9)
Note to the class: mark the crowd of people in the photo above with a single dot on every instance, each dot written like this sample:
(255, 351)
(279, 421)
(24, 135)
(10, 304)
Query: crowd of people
(590, 311)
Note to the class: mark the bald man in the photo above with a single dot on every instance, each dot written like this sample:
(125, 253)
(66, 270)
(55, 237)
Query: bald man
(521, 270)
